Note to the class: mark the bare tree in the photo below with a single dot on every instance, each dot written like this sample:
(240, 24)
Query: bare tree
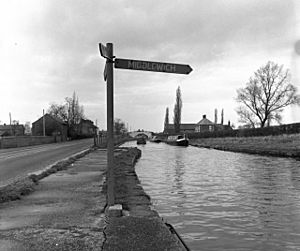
(70, 112)
(267, 93)
(177, 111)
(75, 111)
(246, 117)
(58, 111)
(166, 123)
(120, 127)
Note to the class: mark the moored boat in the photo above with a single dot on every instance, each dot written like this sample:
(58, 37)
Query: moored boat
(178, 140)
(141, 141)
(155, 139)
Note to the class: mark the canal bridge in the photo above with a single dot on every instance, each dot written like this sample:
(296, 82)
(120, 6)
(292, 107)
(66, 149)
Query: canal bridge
(137, 134)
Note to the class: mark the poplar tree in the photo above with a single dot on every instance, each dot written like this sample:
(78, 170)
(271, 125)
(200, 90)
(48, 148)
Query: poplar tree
(166, 119)
(216, 116)
(222, 117)
(177, 111)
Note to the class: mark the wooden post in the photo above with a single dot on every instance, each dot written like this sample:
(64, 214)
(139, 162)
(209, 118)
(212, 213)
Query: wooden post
(110, 126)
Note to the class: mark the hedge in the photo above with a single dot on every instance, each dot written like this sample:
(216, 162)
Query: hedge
(250, 132)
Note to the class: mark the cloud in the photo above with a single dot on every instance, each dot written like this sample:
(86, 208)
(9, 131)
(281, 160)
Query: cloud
(50, 49)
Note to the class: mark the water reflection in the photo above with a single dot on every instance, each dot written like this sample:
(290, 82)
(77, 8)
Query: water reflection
(224, 201)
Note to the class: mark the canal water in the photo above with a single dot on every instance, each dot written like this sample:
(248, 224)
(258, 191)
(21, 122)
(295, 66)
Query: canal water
(222, 200)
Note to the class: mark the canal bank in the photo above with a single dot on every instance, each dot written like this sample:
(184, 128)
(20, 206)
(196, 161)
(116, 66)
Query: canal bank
(139, 227)
(287, 145)
(66, 211)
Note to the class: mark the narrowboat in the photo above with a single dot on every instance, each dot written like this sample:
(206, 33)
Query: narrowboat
(141, 141)
(178, 140)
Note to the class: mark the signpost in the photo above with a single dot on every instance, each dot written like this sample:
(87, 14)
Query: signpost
(130, 64)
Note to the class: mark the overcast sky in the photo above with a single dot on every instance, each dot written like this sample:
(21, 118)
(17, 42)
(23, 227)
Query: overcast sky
(48, 49)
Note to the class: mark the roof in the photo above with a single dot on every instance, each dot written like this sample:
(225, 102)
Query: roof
(205, 121)
(8, 127)
(4, 133)
(56, 119)
(53, 117)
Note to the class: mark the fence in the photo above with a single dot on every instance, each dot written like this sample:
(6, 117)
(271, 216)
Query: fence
(101, 140)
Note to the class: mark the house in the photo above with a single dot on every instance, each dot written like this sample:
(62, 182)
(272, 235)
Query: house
(12, 130)
(53, 127)
(85, 128)
(205, 125)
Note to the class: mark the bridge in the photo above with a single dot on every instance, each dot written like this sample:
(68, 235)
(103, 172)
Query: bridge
(138, 134)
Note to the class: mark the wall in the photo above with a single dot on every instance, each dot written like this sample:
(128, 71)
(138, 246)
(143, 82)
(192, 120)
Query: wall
(19, 141)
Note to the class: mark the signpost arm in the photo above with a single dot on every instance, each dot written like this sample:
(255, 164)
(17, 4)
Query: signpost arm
(110, 126)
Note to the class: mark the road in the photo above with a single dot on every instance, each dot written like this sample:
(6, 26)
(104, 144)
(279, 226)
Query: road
(17, 162)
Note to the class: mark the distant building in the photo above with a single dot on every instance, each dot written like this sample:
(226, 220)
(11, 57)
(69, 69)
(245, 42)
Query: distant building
(53, 127)
(85, 128)
(205, 125)
(12, 130)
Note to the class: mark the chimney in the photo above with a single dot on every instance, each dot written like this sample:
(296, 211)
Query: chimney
(204, 116)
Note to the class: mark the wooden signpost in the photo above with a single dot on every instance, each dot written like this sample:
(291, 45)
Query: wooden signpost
(130, 64)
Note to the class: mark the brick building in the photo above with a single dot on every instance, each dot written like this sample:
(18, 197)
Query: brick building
(53, 127)
(12, 130)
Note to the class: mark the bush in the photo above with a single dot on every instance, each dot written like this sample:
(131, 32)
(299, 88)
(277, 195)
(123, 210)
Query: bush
(251, 132)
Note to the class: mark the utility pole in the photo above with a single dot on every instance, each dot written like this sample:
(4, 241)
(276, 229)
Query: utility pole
(11, 130)
(44, 126)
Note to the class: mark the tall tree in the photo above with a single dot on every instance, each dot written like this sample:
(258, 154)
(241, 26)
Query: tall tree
(58, 111)
(70, 112)
(166, 123)
(75, 111)
(120, 127)
(216, 116)
(267, 93)
(222, 116)
(246, 117)
(177, 110)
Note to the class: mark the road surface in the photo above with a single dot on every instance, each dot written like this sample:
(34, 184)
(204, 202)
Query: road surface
(17, 162)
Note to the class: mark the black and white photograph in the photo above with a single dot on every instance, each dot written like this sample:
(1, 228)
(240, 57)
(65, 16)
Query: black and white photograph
(150, 125)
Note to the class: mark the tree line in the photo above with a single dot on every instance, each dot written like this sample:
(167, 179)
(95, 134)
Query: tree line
(261, 101)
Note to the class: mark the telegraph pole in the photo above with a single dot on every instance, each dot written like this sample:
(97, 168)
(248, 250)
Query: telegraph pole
(44, 126)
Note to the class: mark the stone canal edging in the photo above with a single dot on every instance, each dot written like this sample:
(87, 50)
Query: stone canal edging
(287, 145)
(139, 227)
(18, 187)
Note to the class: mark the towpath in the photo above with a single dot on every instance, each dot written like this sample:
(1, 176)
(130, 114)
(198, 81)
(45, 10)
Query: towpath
(67, 212)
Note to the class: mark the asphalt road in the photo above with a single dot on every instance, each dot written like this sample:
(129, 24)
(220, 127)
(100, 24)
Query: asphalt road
(17, 162)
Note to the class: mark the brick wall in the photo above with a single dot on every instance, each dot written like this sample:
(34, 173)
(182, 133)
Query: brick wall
(19, 141)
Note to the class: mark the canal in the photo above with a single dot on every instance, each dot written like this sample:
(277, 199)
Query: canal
(222, 200)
